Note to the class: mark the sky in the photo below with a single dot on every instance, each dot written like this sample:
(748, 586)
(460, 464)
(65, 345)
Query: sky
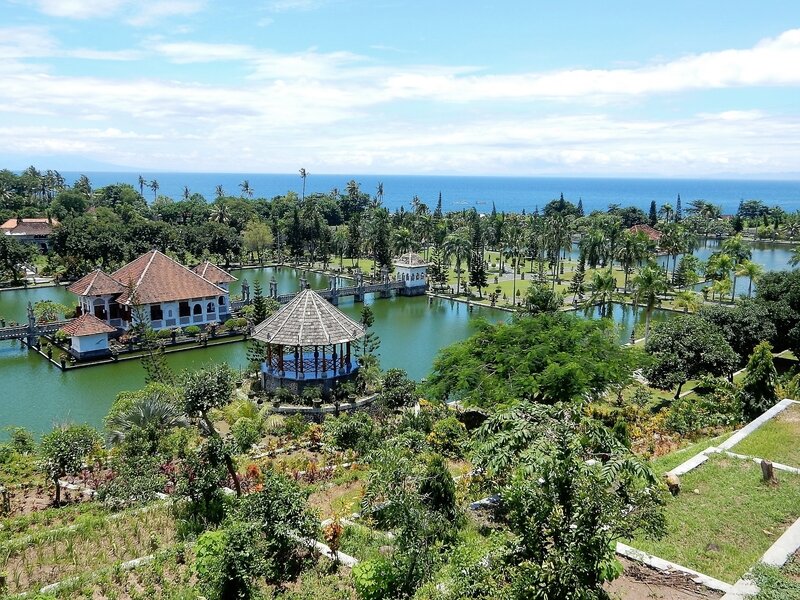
(522, 88)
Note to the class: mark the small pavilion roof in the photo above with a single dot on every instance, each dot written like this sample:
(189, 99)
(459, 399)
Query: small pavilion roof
(410, 259)
(650, 232)
(86, 324)
(29, 226)
(308, 320)
(96, 283)
(213, 273)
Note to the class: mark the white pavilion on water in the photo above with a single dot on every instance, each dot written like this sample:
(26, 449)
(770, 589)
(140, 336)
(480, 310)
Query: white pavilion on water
(308, 343)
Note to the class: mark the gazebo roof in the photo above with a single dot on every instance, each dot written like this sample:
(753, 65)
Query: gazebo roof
(410, 259)
(308, 320)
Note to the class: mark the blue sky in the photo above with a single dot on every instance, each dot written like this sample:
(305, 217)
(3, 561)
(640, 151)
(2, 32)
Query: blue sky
(681, 89)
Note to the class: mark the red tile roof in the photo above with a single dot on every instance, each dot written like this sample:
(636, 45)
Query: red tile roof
(213, 273)
(37, 226)
(158, 278)
(96, 283)
(86, 324)
(653, 234)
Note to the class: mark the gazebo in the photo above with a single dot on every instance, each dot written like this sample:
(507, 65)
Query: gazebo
(307, 344)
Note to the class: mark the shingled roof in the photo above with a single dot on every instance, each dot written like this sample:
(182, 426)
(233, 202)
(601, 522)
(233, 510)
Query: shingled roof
(213, 273)
(410, 259)
(29, 226)
(157, 278)
(308, 320)
(96, 283)
(86, 324)
(650, 232)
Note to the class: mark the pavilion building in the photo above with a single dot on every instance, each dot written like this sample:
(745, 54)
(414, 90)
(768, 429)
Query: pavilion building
(30, 231)
(413, 270)
(157, 289)
(308, 343)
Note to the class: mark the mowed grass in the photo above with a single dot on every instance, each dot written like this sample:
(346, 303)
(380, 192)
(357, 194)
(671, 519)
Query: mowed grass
(725, 528)
(777, 440)
(667, 462)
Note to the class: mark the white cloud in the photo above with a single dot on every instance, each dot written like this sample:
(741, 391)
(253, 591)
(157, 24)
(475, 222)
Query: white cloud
(38, 42)
(135, 13)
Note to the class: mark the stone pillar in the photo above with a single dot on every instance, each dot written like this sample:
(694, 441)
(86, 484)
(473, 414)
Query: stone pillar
(273, 288)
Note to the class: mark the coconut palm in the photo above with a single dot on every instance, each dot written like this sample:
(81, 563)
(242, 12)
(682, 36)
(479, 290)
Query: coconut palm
(602, 290)
(649, 282)
(751, 270)
(154, 186)
(794, 260)
(688, 300)
(219, 212)
(246, 189)
(341, 240)
(220, 193)
(632, 250)
(141, 185)
(153, 415)
(739, 251)
(514, 243)
(186, 193)
(458, 246)
(303, 175)
(403, 240)
(379, 194)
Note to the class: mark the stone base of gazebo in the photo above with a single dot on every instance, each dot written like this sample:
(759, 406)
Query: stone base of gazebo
(297, 383)
(413, 290)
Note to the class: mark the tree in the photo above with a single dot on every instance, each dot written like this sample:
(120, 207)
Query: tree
(602, 290)
(368, 345)
(257, 239)
(14, 253)
(149, 417)
(549, 358)
(760, 379)
(751, 270)
(47, 310)
(541, 299)
(205, 390)
(744, 325)
(259, 303)
(653, 215)
(477, 272)
(246, 189)
(576, 287)
(647, 285)
(684, 348)
(303, 175)
(154, 187)
(64, 450)
(688, 300)
(458, 246)
(398, 390)
(569, 491)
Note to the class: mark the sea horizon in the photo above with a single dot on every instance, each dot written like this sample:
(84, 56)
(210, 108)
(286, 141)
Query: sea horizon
(507, 193)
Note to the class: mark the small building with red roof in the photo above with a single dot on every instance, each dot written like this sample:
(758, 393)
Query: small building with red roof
(88, 336)
(30, 230)
(652, 233)
(158, 290)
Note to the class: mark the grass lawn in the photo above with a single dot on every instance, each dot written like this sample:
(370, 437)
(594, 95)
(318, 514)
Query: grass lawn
(667, 462)
(725, 528)
(777, 440)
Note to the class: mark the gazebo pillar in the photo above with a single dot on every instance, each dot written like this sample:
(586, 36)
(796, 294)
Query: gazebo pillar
(302, 365)
(316, 361)
(324, 366)
(269, 357)
(280, 359)
(296, 366)
(349, 364)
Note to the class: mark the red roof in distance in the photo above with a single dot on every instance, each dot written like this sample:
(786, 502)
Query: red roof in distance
(653, 234)
(213, 273)
(86, 324)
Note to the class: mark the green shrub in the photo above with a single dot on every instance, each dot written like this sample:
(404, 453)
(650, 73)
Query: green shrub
(311, 394)
(192, 330)
(60, 337)
(438, 490)
(374, 579)
(448, 436)
(398, 389)
(349, 432)
(718, 406)
(21, 440)
(164, 334)
(246, 432)
(295, 425)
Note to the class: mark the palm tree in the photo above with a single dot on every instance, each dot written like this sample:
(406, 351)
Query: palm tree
(219, 212)
(154, 186)
(720, 288)
(303, 175)
(186, 192)
(151, 414)
(141, 185)
(246, 189)
(403, 240)
(341, 240)
(514, 240)
(379, 193)
(688, 300)
(739, 251)
(602, 290)
(751, 270)
(647, 285)
(458, 246)
(633, 250)
(220, 193)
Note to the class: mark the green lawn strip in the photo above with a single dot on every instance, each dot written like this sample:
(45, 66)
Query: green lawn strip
(49, 519)
(667, 462)
(735, 518)
(363, 543)
(777, 440)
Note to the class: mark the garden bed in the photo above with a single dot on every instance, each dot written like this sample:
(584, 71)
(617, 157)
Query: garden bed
(778, 440)
(640, 581)
(724, 528)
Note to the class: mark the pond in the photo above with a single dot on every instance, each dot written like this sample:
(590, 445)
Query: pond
(37, 395)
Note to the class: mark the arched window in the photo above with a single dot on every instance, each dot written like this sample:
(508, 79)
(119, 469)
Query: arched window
(198, 310)
(221, 300)
(210, 308)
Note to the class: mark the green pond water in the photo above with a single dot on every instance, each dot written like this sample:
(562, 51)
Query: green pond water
(36, 394)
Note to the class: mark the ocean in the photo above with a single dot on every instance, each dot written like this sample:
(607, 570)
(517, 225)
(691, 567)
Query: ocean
(509, 194)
